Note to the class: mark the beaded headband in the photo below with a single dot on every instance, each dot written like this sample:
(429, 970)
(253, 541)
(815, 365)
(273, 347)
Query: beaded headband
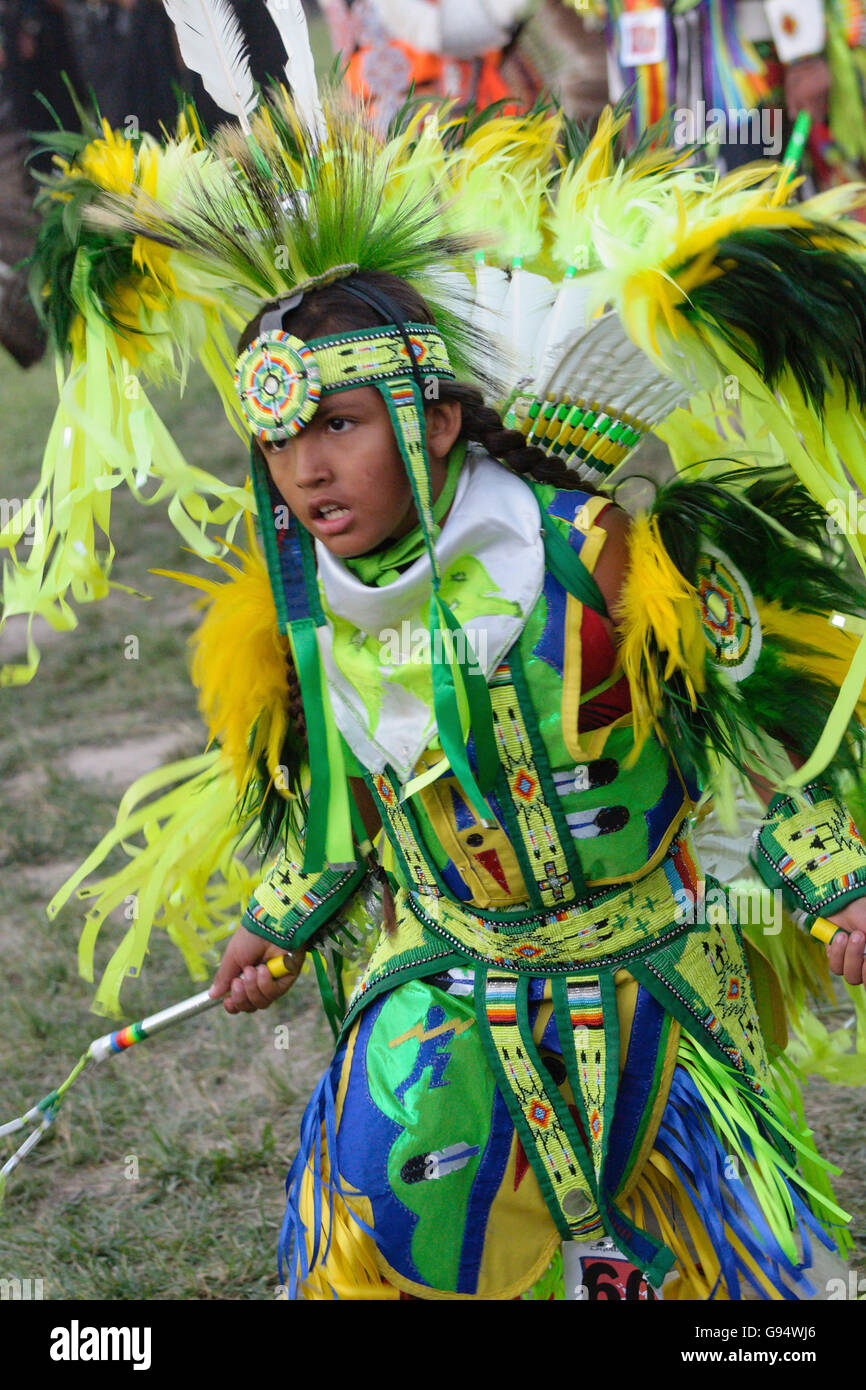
(281, 379)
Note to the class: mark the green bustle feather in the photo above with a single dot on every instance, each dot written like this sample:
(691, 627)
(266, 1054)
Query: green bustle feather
(454, 133)
(65, 243)
(763, 527)
(265, 221)
(280, 816)
(785, 303)
(774, 532)
(654, 145)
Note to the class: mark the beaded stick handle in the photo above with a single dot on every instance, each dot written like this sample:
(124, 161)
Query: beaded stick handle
(43, 1113)
(133, 1033)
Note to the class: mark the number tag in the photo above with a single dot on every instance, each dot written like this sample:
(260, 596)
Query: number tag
(596, 1270)
(642, 37)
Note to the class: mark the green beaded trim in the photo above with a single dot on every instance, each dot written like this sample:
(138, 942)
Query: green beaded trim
(813, 853)
(289, 906)
(364, 357)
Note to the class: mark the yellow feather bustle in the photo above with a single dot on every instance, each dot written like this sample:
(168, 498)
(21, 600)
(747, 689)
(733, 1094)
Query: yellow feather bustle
(240, 666)
(658, 612)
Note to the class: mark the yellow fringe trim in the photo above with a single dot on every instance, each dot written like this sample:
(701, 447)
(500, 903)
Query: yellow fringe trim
(351, 1270)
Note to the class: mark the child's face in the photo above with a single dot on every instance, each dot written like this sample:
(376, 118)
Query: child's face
(343, 476)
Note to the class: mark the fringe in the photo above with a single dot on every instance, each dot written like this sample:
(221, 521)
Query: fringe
(344, 1241)
(752, 1231)
(725, 1232)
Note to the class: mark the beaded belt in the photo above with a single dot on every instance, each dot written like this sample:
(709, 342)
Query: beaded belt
(610, 927)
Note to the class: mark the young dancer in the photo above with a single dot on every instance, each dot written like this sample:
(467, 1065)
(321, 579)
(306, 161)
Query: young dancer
(562, 1033)
(475, 1112)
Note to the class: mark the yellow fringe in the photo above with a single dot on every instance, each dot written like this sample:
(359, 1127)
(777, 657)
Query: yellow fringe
(351, 1271)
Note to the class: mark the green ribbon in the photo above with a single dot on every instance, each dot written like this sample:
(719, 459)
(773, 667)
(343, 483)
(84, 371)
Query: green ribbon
(305, 651)
(333, 1011)
(457, 676)
(567, 566)
(461, 671)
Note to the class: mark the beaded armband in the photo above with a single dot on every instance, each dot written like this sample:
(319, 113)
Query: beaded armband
(814, 852)
(290, 907)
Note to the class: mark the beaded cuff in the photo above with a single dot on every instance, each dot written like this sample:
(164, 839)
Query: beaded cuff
(289, 907)
(814, 852)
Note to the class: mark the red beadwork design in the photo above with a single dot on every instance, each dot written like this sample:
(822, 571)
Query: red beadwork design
(524, 786)
(539, 1113)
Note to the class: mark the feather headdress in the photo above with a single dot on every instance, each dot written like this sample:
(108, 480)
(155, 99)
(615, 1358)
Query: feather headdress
(281, 215)
(211, 43)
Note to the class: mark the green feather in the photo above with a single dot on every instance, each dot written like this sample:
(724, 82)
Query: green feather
(270, 218)
(775, 533)
(786, 302)
(279, 817)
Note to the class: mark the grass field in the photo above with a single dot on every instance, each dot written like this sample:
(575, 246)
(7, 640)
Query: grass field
(164, 1177)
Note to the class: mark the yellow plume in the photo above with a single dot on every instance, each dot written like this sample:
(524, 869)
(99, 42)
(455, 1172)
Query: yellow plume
(659, 614)
(240, 666)
(832, 647)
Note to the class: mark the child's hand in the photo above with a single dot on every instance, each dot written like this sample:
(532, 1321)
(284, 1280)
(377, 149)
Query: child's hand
(244, 978)
(845, 953)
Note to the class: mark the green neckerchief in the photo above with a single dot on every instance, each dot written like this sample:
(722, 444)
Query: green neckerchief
(383, 566)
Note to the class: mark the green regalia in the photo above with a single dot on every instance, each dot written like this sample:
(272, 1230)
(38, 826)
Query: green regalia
(547, 1047)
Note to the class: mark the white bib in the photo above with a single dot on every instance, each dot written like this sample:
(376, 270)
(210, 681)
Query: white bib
(495, 519)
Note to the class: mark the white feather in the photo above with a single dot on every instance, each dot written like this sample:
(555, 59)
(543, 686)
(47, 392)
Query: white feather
(289, 17)
(212, 44)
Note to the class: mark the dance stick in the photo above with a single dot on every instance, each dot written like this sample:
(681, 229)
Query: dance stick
(133, 1033)
(109, 1045)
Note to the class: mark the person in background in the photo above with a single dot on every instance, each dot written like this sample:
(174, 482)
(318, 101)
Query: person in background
(32, 37)
(738, 72)
(466, 51)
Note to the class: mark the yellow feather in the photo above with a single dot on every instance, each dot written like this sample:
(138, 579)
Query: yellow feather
(240, 665)
(658, 611)
(497, 179)
(833, 648)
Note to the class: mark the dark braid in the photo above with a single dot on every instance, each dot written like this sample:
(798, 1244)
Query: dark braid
(482, 425)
